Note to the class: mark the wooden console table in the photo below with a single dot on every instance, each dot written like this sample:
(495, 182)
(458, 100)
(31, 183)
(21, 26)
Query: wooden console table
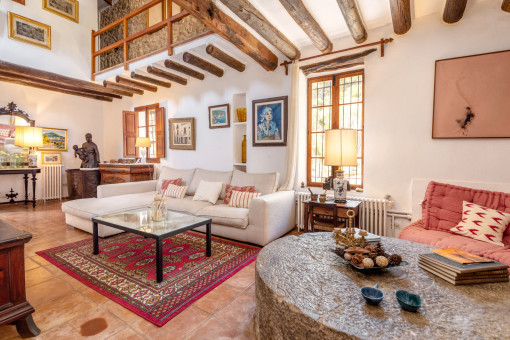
(122, 173)
(25, 172)
(329, 209)
(14, 307)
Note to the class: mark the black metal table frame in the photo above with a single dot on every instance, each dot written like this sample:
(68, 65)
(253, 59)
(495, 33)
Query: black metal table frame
(159, 239)
(25, 172)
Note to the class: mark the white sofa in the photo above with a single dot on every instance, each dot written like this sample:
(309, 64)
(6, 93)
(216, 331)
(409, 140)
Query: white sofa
(268, 217)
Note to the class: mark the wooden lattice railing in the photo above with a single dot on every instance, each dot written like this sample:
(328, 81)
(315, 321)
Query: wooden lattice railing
(168, 22)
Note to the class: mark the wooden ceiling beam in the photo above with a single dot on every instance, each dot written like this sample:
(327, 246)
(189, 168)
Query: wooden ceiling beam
(305, 20)
(256, 20)
(150, 80)
(167, 75)
(118, 87)
(203, 64)
(505, 6)
(353, 20)
(401, 15)
(215, 52)
(183, 69)
(454, 10)
(135, 84)
(226, 27)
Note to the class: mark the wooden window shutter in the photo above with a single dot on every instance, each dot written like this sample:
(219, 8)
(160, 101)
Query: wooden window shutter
(130, 127)
(160, 132)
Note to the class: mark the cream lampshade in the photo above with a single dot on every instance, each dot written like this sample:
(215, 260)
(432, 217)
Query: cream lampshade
(143, 143)
(29, 137)
(341, 150)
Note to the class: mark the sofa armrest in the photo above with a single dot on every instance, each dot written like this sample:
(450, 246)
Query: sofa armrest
(273, 213)
(108, 190)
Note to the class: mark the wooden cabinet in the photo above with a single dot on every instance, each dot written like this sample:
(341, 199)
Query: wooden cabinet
(82, 183)
(14, 307)
(122, 173)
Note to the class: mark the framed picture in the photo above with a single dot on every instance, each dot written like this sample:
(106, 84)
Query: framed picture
(51, 158)
(270, 121)
(471, 96)
(29, 31)
(182, 133)
(219, 116)
(54, 139)
(68, 9)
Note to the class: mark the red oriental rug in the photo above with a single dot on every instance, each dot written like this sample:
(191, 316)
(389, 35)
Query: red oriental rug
(125, 270)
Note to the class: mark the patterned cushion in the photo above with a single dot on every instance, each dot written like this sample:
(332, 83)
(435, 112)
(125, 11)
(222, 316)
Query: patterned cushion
(240, 199)
(229, 188)
(166, 182)
(176, 191)
(481, 223)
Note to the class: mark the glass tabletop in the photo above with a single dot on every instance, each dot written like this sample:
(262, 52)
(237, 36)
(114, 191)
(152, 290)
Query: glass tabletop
(140, 220)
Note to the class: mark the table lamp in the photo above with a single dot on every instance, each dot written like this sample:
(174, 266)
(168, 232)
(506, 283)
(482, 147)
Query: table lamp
(29, 137)
(341, 150)
(143, 143)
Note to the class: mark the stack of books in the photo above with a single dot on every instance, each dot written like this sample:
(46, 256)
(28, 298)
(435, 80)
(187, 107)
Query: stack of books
(461, 268)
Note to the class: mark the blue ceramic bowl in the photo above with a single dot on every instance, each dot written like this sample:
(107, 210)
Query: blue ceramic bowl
(372, 295)
(408, 301)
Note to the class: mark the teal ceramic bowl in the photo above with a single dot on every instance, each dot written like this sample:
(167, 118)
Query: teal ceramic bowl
(408, 301)
(372, 295)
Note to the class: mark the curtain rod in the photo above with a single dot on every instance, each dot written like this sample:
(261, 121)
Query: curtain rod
(383, 41)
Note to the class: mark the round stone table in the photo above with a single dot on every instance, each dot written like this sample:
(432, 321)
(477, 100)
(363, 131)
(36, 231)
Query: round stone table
(304, 291)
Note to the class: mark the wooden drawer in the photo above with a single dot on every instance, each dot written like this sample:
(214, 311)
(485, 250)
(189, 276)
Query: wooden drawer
(5, 289)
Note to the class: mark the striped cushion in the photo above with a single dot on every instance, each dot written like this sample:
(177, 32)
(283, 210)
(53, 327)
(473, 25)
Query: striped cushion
(240, 199)
(229, 188)
(176, 191)
(167, 182)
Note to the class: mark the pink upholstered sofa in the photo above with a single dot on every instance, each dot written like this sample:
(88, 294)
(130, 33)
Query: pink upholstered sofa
(442, 210)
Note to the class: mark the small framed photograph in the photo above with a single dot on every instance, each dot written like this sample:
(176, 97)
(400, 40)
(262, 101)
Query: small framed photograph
(68, 9)
(219, 116)
(182, 133)
(29, 31)
(54, 139)
(51, 158)
(270, 121)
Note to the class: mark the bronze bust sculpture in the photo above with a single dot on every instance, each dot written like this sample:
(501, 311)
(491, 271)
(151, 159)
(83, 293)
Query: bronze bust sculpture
(88, 153)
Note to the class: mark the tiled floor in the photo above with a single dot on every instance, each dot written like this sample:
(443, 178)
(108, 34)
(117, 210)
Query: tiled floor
(67, 309)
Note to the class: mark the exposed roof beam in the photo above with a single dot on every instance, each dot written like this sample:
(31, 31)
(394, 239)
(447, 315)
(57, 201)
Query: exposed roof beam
(215, 52)
(505, 6)
(454, 10)
(118, 87)
(203, 64)
(167, 75)
(226, 27)
(157, 82)
(401, 15)
(303, 18)
(353, 20)
(183, 69)
(256, 20)
(135, 84)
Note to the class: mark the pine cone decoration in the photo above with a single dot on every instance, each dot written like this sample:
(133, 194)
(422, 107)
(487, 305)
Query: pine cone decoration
(395, 260)
(357, 260)
(373, 256)
(340, 251)
(379, 249)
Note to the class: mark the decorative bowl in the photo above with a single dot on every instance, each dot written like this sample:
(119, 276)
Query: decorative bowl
(372, 295)
(408, 301)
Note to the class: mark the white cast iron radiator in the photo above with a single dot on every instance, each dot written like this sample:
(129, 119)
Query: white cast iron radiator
(373, 212)
(51, 182)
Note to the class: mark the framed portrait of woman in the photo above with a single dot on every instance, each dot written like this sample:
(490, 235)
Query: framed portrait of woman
(270, 118)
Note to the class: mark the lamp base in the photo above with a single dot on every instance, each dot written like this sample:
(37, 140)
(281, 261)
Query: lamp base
(340, 201)
(32, 160)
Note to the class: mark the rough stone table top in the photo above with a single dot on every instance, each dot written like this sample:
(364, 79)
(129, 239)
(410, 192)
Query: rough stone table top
(305, 291)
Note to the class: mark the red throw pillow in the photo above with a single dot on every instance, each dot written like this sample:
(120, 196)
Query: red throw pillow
(166, 182)
(229, 189)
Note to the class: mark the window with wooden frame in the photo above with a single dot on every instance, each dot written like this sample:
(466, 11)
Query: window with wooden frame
(145, 121)
(334, 102)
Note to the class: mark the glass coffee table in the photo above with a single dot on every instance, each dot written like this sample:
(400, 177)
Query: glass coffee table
(139, 221)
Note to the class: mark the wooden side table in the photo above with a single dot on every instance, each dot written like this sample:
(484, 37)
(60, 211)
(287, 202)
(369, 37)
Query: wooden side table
(123, 173)
(14, 307)
(331, 209)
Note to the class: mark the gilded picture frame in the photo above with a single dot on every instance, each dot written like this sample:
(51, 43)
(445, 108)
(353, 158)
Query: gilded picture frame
(181, 133)
(69, 9)
(29, 31)
(54, 139)
(48, 158)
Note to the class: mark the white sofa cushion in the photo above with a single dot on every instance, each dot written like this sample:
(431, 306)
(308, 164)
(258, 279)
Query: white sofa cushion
(210, 176)
(186, 204)
(225, 215)
(264, 183)
(208, 191)
(170, 173)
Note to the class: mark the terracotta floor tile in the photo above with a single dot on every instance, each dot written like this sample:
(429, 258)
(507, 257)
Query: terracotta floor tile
(94, 324)
(126, 334)
(240, 311)
(40, 260)
(244, 278)
(31, 250)
(177, 328)
(216, 329)
(9, 332)
(73, 282)
(47, 291)
(122, 313)
(30, 264)
(94, 295)
(217, 298)
(37, 275)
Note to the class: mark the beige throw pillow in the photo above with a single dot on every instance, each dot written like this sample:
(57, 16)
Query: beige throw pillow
(208, 191)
